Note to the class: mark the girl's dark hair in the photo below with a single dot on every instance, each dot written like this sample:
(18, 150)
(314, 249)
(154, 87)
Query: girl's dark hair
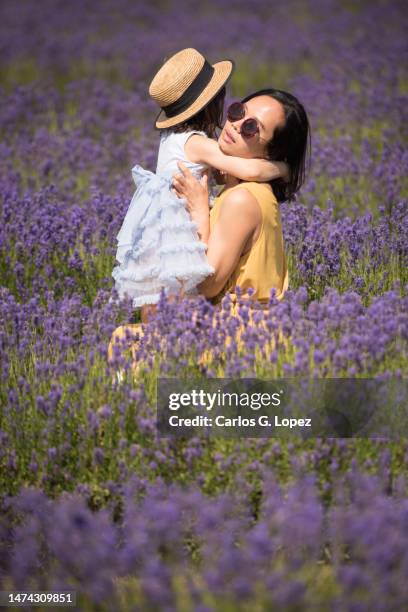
(290, 143)
(207, 120)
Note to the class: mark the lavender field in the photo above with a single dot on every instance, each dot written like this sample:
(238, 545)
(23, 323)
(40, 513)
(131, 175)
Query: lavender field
(91, 498)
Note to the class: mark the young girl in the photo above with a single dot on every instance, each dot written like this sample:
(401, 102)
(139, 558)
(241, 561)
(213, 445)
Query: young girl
(158, 246)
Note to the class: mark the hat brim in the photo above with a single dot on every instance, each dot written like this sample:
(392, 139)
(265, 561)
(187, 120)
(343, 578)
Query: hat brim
(222, 73)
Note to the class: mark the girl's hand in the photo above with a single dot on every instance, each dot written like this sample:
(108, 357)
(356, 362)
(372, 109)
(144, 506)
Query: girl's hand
(193, 191)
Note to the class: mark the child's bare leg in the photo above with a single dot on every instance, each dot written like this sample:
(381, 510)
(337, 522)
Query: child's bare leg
(182, 292)
(147, 312)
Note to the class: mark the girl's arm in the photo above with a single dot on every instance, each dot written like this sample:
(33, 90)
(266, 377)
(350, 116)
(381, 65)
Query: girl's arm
(200, 149)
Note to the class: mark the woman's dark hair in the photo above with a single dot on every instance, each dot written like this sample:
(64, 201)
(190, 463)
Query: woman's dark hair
(290, 143)
(207, 120)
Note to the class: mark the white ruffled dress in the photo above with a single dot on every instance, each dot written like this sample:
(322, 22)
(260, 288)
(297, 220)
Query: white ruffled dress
(158, 246)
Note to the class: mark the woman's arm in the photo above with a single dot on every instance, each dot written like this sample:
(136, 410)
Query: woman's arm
(239, 217)
(200, 149)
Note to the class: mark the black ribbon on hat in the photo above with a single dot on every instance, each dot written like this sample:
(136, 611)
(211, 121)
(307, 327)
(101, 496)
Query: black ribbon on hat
(192, 92)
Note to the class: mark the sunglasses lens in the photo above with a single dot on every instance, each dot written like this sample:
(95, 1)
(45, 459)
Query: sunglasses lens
(236, 111)
(249, 128)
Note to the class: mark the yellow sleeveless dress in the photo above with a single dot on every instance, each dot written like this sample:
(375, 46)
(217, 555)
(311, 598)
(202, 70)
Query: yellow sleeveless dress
(263, 267)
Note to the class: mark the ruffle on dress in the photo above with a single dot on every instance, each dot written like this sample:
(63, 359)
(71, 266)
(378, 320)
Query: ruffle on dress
(158, 247)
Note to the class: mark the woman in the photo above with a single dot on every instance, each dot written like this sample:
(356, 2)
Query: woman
(243, 229)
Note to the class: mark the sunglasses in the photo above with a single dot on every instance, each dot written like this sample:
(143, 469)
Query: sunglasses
(249, 127)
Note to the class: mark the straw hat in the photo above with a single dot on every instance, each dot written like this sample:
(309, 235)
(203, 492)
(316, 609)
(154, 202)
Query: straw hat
(185, 84)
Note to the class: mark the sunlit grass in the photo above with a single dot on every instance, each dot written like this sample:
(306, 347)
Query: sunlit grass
(26, 71)
(250, 75)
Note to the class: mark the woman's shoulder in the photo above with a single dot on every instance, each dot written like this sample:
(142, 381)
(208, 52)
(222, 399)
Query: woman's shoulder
(255, 187)
(239, 200)
(254, 200)
(262, 192)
